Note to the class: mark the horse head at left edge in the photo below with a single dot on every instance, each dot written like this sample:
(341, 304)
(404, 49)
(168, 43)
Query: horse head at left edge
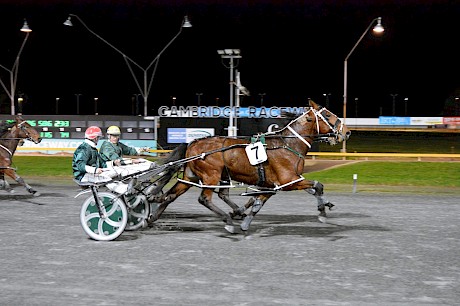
(27, 131)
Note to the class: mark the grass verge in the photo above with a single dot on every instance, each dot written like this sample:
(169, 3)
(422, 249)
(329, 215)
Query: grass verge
(372, 175)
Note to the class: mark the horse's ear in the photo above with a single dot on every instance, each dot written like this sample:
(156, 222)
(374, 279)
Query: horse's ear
(19, 118)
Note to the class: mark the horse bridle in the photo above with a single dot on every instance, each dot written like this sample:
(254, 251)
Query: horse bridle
(337, 127)
(24, 129)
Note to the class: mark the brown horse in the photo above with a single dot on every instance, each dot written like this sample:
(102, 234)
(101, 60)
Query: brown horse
(10, 136)
(219, 160)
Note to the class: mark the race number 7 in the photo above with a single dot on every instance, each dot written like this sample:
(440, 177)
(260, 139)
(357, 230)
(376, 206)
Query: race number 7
(256, 153)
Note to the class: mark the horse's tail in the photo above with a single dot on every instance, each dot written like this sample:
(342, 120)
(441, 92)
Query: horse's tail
(177, 154)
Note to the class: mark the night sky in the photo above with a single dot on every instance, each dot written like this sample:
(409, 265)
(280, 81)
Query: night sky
(292, 51)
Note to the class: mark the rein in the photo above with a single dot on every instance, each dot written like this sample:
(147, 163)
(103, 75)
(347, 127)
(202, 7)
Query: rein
(17, 138)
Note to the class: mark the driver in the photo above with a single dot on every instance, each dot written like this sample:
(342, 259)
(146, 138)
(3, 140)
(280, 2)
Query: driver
(113, 150)
(87, 163)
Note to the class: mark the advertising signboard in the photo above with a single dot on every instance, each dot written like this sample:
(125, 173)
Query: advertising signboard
(187, 135)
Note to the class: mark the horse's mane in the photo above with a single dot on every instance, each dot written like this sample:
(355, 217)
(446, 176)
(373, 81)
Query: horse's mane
(289, 115)
(5, 127)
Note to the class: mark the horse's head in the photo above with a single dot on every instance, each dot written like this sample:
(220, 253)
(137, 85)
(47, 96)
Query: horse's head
(25, 130)
(330, 127)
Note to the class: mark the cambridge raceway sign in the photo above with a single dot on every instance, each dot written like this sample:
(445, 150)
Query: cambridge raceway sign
(225, 112)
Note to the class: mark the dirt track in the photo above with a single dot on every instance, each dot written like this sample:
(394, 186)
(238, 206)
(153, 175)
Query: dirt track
(376, 249)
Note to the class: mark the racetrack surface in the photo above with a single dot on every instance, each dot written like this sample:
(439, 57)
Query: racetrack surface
(376, 249)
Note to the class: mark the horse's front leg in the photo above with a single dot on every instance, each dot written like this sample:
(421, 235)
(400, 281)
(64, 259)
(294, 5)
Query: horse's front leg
(21, 181)
(317, 190)
(256, 203)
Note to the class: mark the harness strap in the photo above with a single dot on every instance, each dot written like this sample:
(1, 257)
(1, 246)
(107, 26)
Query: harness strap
(6, 149)
(298, 136)
(293, 151)
(261, 174)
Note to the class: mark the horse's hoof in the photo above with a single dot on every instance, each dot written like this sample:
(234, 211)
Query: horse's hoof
(322, 219)
(247, 221)
(230, 229)
(331, 206)
(37, 194)
(150, 219)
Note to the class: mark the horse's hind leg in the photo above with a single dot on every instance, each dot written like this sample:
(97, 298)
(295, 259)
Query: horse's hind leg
(156, 189)
(4, 184)
(21, 181)
(167, 198)
(206, 200)
(224, 195)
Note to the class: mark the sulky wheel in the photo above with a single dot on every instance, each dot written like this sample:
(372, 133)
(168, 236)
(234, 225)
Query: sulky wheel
(138, 211)
(104, 229)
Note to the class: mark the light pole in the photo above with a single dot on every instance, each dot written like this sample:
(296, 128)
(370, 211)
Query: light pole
(230, 54)
(14, 71)
(20, 101)
(405, 105)
(393, 109)
(78, 103)
(377, 29)
(356, 108)
(457, 104)
(57, 106)
(198, 96)
(145, 89)
(136, 101)
(262, 98)
(327, 99)
(95, 106)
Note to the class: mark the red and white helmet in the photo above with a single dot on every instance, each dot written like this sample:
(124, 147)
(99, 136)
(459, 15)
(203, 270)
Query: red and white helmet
(92, 132)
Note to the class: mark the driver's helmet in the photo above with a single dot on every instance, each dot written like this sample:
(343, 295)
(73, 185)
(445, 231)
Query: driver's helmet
(93, 132)
(113, 130)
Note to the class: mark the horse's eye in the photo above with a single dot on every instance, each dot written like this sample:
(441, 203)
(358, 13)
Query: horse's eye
(328, 115)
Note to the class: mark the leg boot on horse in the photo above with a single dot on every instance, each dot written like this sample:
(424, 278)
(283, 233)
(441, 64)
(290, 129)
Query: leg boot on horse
(4, 185)
(11, 173)
(257, 203)
(317, 190)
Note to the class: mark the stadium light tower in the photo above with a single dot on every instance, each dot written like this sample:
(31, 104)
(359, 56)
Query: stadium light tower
(378, 29)
(14, 71)
(145, 89)
(231, 54)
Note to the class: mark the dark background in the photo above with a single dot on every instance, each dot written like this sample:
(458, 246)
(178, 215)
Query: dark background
(292, 51)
